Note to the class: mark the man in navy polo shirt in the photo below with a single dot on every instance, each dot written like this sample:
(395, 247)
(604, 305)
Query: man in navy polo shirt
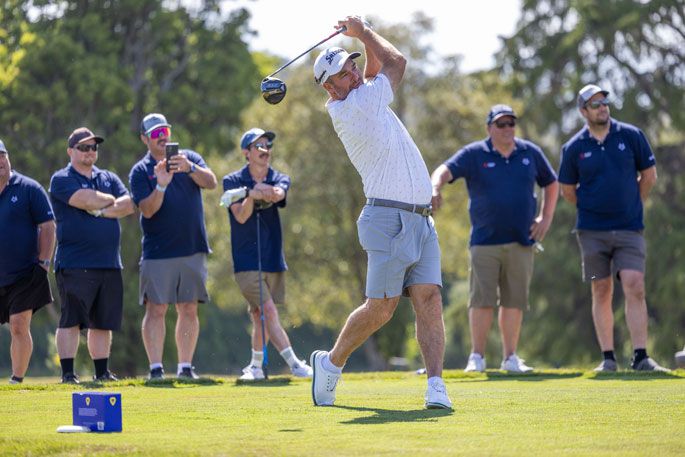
(266, 194)
(88, 203)
(501, 172)
(607, 170)
(26, 246)
(173, 268)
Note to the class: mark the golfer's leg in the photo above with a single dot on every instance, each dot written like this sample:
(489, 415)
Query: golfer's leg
(510, 327)
(255, 317)
(66, 340)
(99, 343)
(21, 346)
(273, 325)
(430, 328)
(602, 313)
(187, 331)
(361, 324)
(154, 331)
(480, 320)
(633, 283)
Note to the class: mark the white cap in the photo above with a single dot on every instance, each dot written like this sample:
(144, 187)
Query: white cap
(330, 62)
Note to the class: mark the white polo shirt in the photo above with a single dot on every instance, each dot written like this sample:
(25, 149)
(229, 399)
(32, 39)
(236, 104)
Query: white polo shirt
(379, 145)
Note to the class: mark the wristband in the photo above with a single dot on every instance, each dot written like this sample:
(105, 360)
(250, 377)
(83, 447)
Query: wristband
(45, 263)
(162, 189)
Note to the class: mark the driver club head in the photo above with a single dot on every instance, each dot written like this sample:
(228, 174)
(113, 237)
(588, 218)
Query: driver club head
(273, 90)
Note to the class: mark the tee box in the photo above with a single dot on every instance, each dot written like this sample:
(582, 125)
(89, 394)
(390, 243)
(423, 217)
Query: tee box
(100, 411)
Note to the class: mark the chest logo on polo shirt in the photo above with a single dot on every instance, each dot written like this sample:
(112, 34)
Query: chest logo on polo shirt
(488, 164)
(526, 161)
(108, 184)
(621, 146)
(84, 185)
(585, 155)
(14, 199)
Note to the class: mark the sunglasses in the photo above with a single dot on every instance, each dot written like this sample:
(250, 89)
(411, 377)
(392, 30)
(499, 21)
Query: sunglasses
(505, 124)
(87, 147)
(597, 103)
(164, 132)
(267, 145)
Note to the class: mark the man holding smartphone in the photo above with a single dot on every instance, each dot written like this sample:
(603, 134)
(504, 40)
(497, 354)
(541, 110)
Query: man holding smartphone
(173, 267)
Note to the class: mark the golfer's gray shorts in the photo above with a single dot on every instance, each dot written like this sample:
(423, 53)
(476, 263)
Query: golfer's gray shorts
(608, 252)
(273, 287)
(402, 250)
(500, 274)
(175, 280)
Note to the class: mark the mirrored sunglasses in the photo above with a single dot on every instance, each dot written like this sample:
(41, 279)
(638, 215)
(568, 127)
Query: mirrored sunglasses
(505, 124)
(267, 145)
(87, 147)
(597, 103)
(164, 132)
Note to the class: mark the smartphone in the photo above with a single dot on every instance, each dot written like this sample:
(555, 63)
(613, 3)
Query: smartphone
(171, 150)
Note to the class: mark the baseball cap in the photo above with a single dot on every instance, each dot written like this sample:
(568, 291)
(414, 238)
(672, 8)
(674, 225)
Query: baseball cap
(82, 134)
(498, 111)
(3, 148)
(251, 135)
(330, 62)
(589, 91)
(152, 121)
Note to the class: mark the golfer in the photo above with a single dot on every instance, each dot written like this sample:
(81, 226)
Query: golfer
(395, 227)
(267, 193)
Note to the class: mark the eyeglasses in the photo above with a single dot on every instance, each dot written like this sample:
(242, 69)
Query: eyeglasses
(164, 132)
(268, 145)
(87, 147)
(597, 103)
(505, 124)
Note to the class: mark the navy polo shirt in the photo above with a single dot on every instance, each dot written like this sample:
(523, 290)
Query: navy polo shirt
(83, 240)
(23, 206)
(177, 229)
(502, 200)
(608, 193)
(244, 236)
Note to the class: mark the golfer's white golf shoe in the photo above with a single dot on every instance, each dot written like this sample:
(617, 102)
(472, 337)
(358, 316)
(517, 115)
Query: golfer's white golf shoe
(252, 373)
(515, 365)
(476, 363)
(302, 370)
(323, 382)
(436, 394)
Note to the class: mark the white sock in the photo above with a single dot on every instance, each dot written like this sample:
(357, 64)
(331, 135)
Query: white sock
(181, 366)
(257, 358)
(433, 379)
(289, 356)
(155, 365)
(328, 365)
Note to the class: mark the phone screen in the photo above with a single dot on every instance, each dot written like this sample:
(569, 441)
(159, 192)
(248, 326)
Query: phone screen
(171, 150)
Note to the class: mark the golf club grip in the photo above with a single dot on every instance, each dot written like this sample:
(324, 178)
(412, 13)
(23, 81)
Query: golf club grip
(337, 32)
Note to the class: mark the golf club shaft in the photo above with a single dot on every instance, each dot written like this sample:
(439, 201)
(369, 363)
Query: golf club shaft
(337, 32)
(265, 362)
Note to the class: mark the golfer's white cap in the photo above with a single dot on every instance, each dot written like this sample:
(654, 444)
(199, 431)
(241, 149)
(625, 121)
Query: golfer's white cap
(330, 62)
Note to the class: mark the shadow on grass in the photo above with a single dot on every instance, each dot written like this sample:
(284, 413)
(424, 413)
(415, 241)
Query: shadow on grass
(172, 383)
(633, 376)
(497, 375)
(278, 381)
(385, 416)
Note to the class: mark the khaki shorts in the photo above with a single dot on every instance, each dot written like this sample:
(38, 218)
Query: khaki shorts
(174, 280)
(608, 252)
(273, 287)
(500, 275)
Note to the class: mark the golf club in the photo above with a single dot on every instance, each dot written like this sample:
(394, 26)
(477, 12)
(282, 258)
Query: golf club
(273, 89)
(265, 362)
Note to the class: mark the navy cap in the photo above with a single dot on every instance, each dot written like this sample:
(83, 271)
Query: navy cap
(3, 148)
(152, 121)
(498, 111)
(251, 135)
(82, 134)
(589, 91)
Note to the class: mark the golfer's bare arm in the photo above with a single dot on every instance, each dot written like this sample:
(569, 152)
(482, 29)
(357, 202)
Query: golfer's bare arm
(46, 240)
(568, 191)
(242, 210)
(122, 207)
(89, 199)
(646, 180)
(441, 176)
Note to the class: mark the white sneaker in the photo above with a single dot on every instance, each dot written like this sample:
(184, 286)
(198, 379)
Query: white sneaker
(476, 363)
(252, 373)
(436, 395)
(515, 365)
(302, 370)
(323, 382)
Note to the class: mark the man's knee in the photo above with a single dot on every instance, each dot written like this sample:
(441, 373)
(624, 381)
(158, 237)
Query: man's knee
(20, 324)
(156, 311)
(382, 308)
(633, 285)
(187, 310)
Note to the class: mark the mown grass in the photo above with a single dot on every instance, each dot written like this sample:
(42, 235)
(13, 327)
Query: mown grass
(555, 412)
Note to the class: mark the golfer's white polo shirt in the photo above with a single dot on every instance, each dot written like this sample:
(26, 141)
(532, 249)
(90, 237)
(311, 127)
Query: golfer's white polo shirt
(378, 144)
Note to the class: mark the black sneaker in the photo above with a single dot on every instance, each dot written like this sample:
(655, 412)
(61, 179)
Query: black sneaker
(156, 373)
(105, 377)
(188, 373)
(70, 378)
(16, 380)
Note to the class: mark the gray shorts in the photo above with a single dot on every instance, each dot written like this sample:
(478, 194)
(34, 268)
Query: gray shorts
(273, 287)
(500, 274)
(607, 252)
(174, 280)
(402, 250)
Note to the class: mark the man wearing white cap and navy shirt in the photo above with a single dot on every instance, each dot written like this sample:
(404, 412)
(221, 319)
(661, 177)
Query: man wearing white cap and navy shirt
(26, 246)
(267, 190)
(395, 227)
(607, 170)
(173, 267)
(88, 202)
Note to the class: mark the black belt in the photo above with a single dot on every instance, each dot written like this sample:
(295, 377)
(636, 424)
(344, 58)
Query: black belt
(424, 210)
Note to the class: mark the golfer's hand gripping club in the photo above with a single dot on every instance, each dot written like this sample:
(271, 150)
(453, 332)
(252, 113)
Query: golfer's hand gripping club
(232, 196)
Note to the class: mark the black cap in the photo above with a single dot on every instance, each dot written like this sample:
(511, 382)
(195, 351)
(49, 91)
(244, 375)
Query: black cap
(82, 134)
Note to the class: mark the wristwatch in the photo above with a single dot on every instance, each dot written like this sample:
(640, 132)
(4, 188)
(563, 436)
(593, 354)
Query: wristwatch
(44, 263)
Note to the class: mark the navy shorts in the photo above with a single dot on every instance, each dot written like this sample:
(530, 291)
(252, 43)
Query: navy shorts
(91, 298)
(31, 291)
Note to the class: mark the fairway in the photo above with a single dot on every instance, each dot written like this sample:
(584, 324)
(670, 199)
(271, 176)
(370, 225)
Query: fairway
(561, 412)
